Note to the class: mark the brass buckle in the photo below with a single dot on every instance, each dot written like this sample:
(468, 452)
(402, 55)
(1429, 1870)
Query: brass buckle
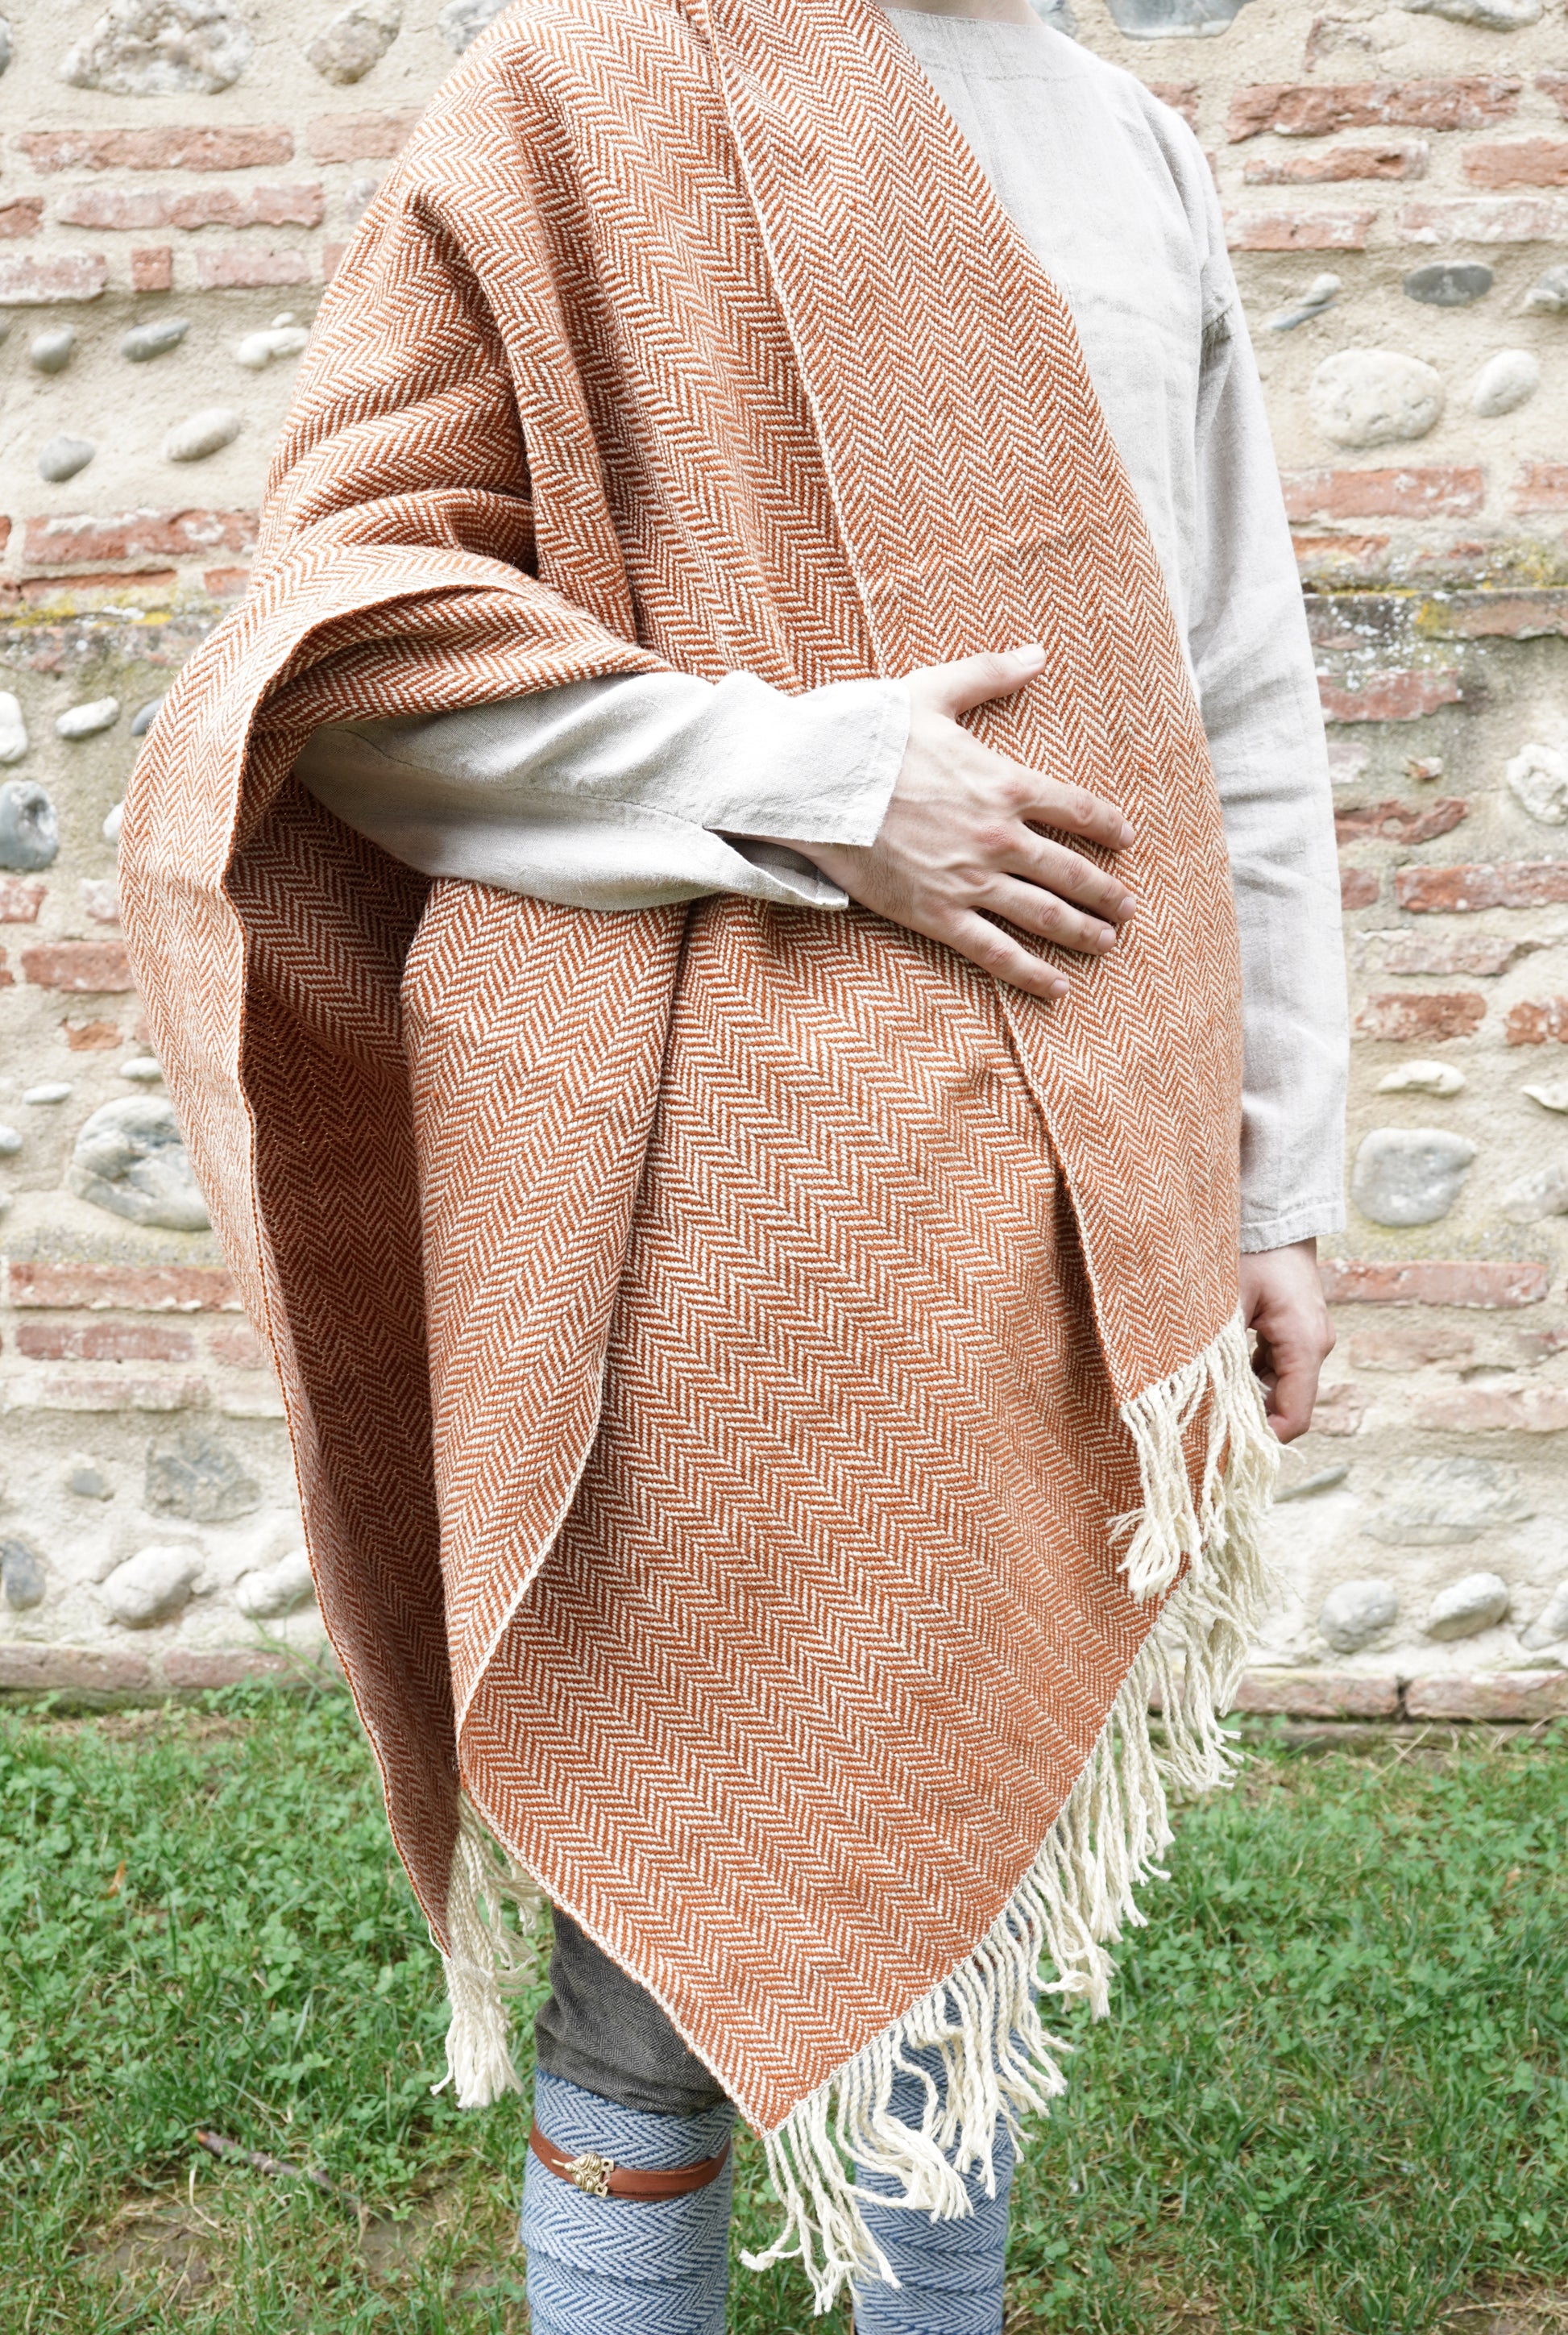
(591, 2174)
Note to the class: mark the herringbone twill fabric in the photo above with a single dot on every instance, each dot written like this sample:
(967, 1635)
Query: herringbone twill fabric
(768, 1404)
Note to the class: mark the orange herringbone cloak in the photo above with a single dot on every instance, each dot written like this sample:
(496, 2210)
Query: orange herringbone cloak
(768, 1404)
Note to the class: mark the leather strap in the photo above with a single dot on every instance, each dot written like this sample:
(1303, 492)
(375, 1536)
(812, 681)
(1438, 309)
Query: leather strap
(601, 2176)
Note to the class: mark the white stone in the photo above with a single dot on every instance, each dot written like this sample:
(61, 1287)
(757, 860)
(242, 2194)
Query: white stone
(462, 21)
(52, 1091)
(345, 50)
(50, 352)
(1374, 397)
(143, 1069)
(5, 43)
(1494, 15)
(1409, 1175)
(1543, 1193)
(1548, 296)
(1505, 383)
(1438, 1503)
(259, 349)
(1551, 1624)
(150, 1586)
(29, 832)
(10, 1141)
(142, 342)
(275, 1589)
(1423, 1078)
(112, 823)
(1551, 1098)
(206, 432)
(142, 720)
(160, 48)
(1159, 20)
(62, 456)
(100, 896)
(12, 728)
(1315, 301)
(1356, 1611)
(130, 1158)
(86, 721)
(1478, 1602)
(1537, 778)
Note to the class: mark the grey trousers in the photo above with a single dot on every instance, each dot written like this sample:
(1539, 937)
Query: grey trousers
(602, 2031)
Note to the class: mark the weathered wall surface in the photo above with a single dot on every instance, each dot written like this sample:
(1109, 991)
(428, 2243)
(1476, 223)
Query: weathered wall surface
(186, 171)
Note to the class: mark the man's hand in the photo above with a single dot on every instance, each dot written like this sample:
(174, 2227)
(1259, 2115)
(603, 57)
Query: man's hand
(959, 846)
(1282, 1305)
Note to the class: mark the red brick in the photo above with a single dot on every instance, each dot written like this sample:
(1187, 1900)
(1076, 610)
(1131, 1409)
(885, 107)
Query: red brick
(19, 901)
(186, 147)
(1329, 165)
(126, 208)
(74, 586)
(1336, 554)
(226, 582)
(20, 215)
(26, 283)
(1317, 1694)
(238, 1349)
(76, 539)
(1358, 1281)
(1400, 822)
(1298, 230)
(1541, 487)
(1443, 490)
(1411, 1345)
(1497, 1695)
(1484, 218)
(1462, 889)
(139, 1289)
(1537, 613)
(1181, 96)
(90, 967)
(86, 1037)
(242, 269)
(359, 137)
(1440, 953)
(186, 1667)
(7, 978)
(104, 1341)
(1426, 1016)
(1338, 1410)
(1535, 1019)
(1523, 162)
(1300, 110)
(1496, 1411)
(331, 260)
(151, 267)
(1554, 85)
(116, 1393)
(35, 1669)
(1389, 696)
(1360, 888)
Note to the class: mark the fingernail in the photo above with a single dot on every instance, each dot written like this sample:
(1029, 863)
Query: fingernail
(1031, 655)
(1127, 836)
(1106, 937)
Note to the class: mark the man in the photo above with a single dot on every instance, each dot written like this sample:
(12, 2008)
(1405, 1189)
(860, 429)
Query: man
(691, 918)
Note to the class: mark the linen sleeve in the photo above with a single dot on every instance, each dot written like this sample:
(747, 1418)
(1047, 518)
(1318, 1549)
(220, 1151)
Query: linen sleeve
(1257, 687)
(626, 792)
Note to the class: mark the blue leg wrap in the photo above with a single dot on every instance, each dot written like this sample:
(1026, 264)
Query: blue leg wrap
(616, 2265)
(949, 2274)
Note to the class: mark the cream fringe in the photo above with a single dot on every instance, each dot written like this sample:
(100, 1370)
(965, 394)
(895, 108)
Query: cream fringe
(982, 2022)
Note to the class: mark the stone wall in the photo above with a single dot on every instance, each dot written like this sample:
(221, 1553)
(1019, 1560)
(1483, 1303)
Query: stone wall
(177, 180)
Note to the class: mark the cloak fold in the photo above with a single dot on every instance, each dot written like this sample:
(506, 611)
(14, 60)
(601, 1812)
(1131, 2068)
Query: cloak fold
(769, 1404)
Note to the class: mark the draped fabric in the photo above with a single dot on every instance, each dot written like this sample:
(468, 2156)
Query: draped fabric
(754, 1382)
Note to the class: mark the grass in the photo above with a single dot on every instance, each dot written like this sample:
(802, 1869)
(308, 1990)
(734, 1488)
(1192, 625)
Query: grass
(1333, 2098)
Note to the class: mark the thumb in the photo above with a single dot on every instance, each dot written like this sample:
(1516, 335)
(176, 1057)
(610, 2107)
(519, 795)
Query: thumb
(972, 681)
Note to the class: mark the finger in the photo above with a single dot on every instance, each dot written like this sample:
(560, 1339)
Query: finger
(955, 689)
(1291, 1386)
(985, 945)
(1036, 910)
(1025, 794)
(1063, 872)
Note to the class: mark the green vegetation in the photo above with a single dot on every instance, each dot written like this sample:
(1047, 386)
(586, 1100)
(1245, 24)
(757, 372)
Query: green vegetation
(1332, 2096)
